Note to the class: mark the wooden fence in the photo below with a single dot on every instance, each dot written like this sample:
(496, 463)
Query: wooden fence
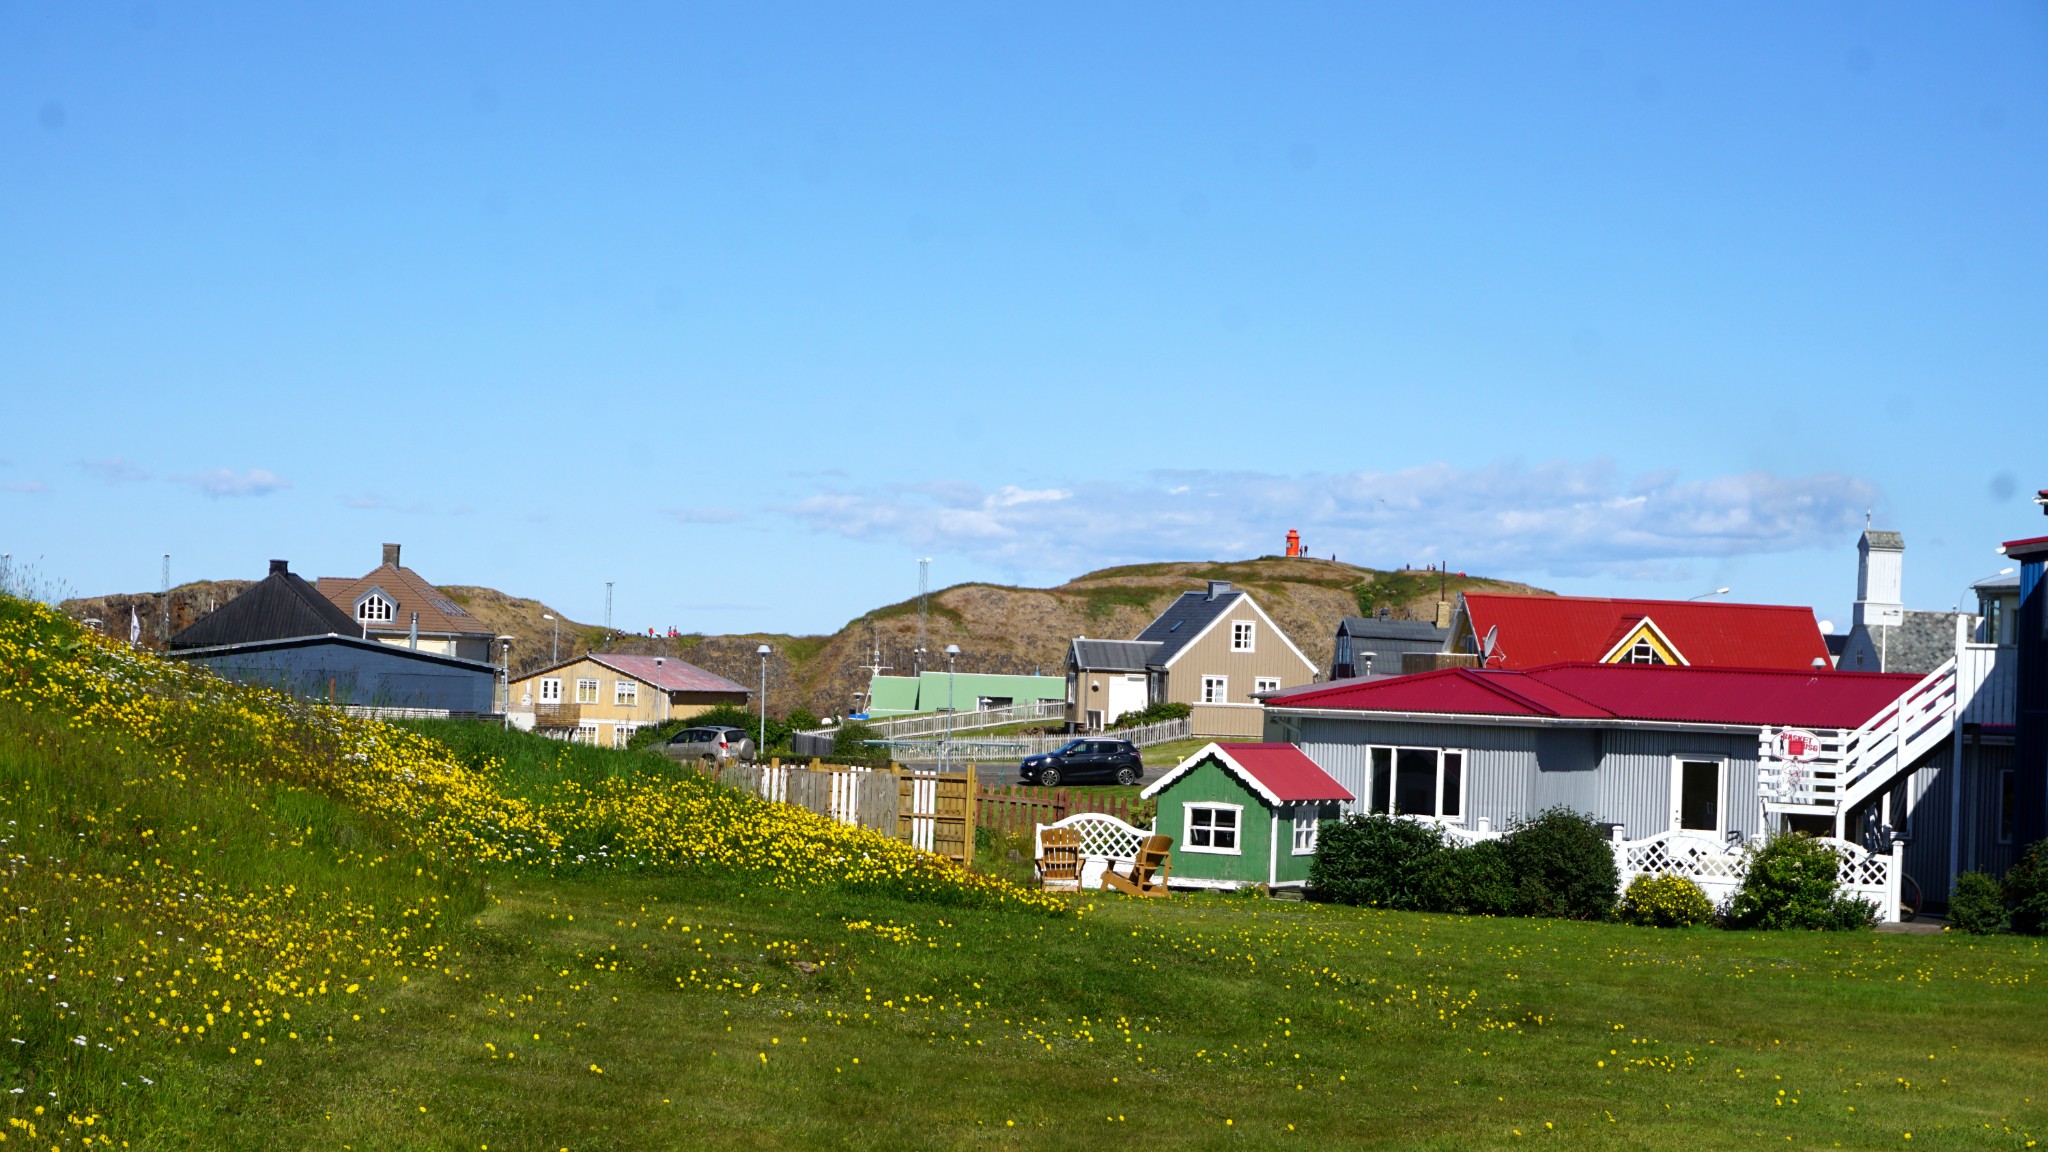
(1020, 809)
(923, 809)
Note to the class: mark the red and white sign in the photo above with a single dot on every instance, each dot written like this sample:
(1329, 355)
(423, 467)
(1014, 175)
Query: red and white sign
(1795, 745)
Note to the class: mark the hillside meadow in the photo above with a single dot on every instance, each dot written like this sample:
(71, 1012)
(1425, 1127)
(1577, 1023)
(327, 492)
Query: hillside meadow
(233, 922)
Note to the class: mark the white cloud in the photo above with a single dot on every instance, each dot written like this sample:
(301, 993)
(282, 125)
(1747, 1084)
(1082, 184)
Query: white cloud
(114, 470)
(226, 482)
(1557, 518)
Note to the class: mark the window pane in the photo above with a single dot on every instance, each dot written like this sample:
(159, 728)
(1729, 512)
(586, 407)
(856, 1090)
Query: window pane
(1699, 795)
(1415, 782)
(1382, 777)
(1454, 784)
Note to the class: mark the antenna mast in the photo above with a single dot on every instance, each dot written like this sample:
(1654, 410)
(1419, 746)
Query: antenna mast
(924, 583)
(607, 610)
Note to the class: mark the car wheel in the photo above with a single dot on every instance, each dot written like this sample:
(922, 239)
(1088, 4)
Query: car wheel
(1127, 775)
(1049, 777)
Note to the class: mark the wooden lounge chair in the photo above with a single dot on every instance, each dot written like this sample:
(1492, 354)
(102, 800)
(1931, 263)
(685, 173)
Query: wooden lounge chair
(1059, 861)
(1148, 872)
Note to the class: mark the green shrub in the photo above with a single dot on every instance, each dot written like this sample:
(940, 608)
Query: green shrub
(1473, 881)
(1665, 901)
(1563, 866)
(1977, 906)
(1790, 883)
(1376, 860)
(1154, 714)
(849, 746)
(2026, 889)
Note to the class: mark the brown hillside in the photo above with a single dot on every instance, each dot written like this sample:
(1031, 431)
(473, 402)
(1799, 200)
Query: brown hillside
(998, 628)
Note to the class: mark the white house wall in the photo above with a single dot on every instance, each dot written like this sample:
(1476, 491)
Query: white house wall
(1126, 692)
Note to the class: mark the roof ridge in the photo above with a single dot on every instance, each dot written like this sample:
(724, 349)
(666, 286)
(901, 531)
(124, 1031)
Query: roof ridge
(1484, 677)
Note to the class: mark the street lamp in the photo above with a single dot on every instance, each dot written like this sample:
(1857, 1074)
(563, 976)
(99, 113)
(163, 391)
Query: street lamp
(763, 651)
(505, 670)
(946, 749)
(1709, 595)
(555, 655)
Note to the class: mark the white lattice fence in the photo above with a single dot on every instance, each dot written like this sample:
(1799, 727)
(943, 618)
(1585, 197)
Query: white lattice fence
(1716, 867)
(1107, 844)
(1868, 876)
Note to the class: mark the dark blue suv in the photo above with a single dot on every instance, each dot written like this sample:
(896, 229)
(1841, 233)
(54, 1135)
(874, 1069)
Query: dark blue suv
(1088, 761)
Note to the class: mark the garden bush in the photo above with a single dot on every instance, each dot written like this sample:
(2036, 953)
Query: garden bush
(2026, 889)
(1562, 865)
(849, 746)
(1376, 860)
(1154, 714)
(1790, 883)
(1665, 901)
(1977, 906)
(1472, 881)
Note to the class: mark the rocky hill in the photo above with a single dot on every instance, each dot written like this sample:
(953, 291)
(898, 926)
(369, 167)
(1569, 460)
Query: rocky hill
(998, 628)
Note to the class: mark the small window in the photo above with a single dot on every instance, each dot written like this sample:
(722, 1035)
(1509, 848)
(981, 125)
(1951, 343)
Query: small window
(621, 733)
(1241, 635)
(1305, 826)
(1265, 684)
(1215, 689)
(586, 691)
(2008, 804)
(584, 734)
(373, 608)
(1643, 653)
(625, 692)
(551, 690)
(1212, 828)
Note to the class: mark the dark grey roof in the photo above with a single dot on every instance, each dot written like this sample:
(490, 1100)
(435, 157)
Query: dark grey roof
(332, 640)
(1374, 628)
(1920, 644)
(1998, 583)
(1878, 538)
(278, 607)
(1184, 620)
(1111, 655)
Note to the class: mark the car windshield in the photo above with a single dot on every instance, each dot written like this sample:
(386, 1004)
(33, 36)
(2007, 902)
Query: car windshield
(1073, 747)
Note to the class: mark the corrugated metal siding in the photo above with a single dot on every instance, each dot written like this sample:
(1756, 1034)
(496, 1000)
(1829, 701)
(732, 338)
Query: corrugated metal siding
(1635, 778)
(1500, 762)
(350, 674)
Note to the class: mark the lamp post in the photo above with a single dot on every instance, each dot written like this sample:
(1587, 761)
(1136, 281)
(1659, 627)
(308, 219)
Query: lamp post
(763, 651)
(946, 749)
(505, 670)
(1709, 595)
(554, 654)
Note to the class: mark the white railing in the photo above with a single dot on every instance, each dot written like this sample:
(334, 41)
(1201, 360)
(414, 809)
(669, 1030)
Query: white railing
(1107, 844)
(979, 718)
(1851, 767)
(1986, 677)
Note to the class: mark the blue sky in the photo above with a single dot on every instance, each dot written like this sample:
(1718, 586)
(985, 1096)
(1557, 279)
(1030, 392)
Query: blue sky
(746, 308)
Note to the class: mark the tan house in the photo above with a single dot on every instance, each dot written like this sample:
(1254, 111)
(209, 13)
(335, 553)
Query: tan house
(395, 605)
(1215, 651)
(602, 698)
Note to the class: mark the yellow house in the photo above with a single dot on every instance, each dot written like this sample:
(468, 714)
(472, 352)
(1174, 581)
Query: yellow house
(603, 698)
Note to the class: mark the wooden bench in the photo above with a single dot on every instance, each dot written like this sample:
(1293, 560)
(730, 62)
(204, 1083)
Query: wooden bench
(1059, 860)
(1148, 872)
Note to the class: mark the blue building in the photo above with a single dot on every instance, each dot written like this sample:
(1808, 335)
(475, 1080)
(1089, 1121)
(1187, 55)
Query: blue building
(2030, 712)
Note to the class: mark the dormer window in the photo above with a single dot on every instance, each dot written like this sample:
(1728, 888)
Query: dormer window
(1642, 653)
(375, 608)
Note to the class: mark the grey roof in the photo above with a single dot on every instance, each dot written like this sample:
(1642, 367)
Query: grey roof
(1876, 538)
(1374, 628)
(1998, 583)
(1920, 644)
(1112, 655)
(278, 607)
(329, 640)
(1184, 620)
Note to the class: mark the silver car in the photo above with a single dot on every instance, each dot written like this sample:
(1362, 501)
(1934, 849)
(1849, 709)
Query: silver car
(712, 742)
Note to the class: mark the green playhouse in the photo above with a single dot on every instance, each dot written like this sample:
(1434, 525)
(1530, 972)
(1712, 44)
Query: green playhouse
(1244, 814)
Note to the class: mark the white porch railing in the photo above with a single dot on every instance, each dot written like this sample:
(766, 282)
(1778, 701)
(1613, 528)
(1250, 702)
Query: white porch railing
(1107, 844)
(1851, 767)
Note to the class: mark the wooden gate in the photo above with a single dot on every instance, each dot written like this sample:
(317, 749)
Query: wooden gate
(936, 813)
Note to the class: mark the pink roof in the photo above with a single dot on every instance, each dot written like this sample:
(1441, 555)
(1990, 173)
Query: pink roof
(1582, 691)
(1539, 630)
(1286, 772)
(672, 676)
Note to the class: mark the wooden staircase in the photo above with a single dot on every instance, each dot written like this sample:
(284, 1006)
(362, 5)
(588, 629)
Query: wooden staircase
(1853, 766)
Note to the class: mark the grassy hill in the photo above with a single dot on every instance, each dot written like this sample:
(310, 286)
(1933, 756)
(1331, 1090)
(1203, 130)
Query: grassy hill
(233, 922)
(999, 628)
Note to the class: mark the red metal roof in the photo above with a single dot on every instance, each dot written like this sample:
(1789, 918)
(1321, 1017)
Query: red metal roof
(1583, 691)
(2025, 549)
(1285, 772)
(1539, 630)
(672, 676)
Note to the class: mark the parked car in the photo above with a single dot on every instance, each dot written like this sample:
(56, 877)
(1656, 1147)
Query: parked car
(712, 742)
(1091, 761)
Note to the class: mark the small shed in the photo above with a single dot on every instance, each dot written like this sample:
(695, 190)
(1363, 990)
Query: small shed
(1243, 814)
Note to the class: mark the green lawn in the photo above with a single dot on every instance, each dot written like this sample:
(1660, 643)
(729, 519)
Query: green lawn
(669, 1013)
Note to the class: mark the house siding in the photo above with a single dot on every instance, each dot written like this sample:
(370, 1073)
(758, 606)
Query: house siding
(1210, 783)
(606, 716)
(343, 673)
(1271, 656)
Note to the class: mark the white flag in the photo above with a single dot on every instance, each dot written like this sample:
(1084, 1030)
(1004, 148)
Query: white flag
(134, 626)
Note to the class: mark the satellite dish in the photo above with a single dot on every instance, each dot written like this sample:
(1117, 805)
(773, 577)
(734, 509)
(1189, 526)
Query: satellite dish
(1491, 642)
(1827, 627)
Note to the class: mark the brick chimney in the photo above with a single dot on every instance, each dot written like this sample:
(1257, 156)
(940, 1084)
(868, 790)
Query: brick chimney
(391, 555)
(279, 567)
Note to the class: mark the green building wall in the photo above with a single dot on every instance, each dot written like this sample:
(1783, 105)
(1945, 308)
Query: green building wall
(1261, 858)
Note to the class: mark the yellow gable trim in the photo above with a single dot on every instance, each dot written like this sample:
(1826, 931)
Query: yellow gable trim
(1646, 631)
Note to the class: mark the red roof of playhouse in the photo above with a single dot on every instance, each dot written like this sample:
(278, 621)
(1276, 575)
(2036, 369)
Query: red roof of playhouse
(1281, 773)
(1540, 630)
(1729, 696)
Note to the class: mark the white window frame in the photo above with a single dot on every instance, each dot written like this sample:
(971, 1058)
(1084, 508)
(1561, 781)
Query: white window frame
(1306, 829)
(550, 690)
(1215, 689)
(1265, 684)
(1244, 635)
(625, 693)
(1642, 652)
(367, 610)
(621, 733)
(584, 734)
(1187, 830)
(586, 690)
(1365, 803)
(1678, 763)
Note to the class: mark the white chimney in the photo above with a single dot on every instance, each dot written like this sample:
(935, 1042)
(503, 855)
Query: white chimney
(1879, 579)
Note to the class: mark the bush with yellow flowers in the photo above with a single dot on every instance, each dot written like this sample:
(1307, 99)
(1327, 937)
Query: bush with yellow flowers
(1665, 901)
